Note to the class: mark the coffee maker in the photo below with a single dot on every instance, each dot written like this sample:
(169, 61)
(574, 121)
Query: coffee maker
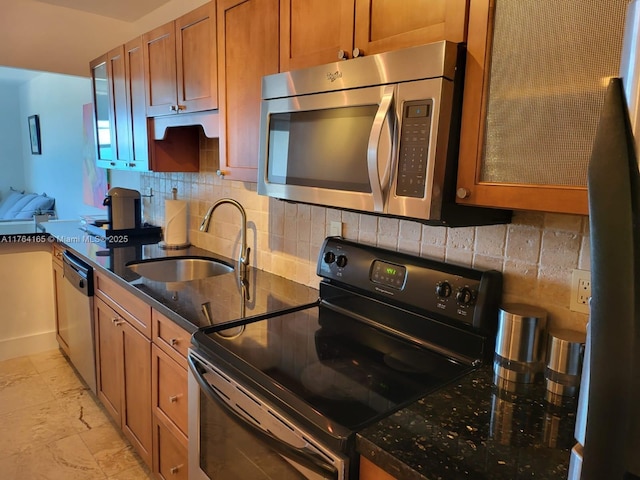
(124, 209)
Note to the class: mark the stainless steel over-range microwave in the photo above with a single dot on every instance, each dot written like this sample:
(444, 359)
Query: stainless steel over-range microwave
(374, 134)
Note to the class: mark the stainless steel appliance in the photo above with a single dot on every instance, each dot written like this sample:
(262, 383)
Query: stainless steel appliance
(608, 423)
(124, 208)
(375, 134)
(78, 295)
(282, 395)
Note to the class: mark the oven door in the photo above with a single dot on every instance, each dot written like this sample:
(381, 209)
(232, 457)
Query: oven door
(233, 434)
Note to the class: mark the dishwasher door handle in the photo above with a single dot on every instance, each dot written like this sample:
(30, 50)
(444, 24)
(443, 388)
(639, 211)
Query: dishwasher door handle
(78, 273)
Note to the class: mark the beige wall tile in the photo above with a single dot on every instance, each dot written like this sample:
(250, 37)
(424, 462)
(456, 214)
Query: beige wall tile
(536, 252)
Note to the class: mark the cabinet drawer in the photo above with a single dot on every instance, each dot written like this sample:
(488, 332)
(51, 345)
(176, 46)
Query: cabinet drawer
(170, 456)
(170, 391)
(170, 337)
(135, 310)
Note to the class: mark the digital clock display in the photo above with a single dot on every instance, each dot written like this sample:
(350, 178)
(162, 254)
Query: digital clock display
(388, 274)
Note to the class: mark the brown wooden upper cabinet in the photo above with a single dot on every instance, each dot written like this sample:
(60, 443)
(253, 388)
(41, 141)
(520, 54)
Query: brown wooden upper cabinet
(313, 33)
(532, 99)
(247, 50)
(121, 124)
(180, 63)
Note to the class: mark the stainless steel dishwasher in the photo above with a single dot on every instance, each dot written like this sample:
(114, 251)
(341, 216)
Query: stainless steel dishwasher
(78, 292)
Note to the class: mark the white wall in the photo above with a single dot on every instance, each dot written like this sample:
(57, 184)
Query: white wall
(27, 322)
(10, 140)
(58, 100)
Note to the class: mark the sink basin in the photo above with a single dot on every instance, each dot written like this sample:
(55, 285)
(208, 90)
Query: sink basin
(179, 269)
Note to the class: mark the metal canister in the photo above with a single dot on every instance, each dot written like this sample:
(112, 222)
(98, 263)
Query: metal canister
(520, 343)
(565, 352)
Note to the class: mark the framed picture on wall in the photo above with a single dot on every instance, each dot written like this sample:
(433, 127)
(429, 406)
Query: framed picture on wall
(34, 135)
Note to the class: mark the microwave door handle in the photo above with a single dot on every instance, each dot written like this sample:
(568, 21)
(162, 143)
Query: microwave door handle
(372, 150)
(304, 456)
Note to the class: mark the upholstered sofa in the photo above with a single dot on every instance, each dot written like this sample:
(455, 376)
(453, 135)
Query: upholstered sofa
(17, 205)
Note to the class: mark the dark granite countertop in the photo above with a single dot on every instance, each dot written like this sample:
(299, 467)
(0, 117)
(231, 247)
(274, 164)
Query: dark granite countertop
(185, 302)
(472, 429)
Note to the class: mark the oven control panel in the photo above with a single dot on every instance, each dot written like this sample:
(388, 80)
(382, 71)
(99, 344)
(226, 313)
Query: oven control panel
(444, 290)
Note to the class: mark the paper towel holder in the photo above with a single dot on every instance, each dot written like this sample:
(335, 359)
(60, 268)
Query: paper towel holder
(164, 245)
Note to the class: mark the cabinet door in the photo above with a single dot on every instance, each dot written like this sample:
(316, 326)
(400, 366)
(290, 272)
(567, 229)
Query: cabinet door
(247, 50)
(311, 33)
(197, 68)
(119, 105)
(137, 104)
(160, 68)
(170, 393)
(384, 25)
(136, 419)
(62, 324)
(527, 134)
(102, 124)
(171, 458)
(109, 358)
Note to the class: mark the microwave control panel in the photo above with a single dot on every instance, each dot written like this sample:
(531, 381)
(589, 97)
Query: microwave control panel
(414, 148)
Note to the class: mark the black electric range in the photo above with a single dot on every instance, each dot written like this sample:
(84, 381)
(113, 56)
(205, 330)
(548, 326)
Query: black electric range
(387, 329)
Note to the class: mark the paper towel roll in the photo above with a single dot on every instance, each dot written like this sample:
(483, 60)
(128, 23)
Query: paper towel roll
(175, 225)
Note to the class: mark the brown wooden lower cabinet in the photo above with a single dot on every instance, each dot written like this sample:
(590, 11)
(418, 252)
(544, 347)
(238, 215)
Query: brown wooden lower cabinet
(170, 459)
(62, 327)
(170, 393)
(123, 356)
(370, 471)
(170, 403)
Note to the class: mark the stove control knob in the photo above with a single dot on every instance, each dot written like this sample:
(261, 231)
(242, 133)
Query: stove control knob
(443, 289)
(465, 296)
(341, 261)
(329, 257)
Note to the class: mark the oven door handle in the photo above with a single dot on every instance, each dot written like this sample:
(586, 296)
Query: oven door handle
(379, 186)
(304, 456)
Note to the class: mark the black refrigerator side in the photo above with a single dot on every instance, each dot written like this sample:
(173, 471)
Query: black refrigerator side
(611, 443)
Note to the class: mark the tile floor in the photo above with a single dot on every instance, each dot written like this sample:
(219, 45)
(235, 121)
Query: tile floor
(53, 428)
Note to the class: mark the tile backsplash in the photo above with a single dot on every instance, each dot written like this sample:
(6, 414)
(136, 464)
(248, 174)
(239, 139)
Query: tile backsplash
(536, 252)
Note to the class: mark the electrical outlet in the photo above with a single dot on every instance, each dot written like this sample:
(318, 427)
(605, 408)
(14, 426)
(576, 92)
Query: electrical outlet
(335, 229)
(580, 291)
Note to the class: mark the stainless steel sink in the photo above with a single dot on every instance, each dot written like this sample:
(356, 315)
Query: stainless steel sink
(179, 269)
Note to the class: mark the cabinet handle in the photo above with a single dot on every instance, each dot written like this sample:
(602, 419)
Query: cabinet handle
(174, 470)
(174, 398)
(174, 341)
(173, 108)
(342, 55)
(113, 164)
(131, 164)
(116, 321)
(221, 173)
(181, 108)
(463, 193)
(357, 53)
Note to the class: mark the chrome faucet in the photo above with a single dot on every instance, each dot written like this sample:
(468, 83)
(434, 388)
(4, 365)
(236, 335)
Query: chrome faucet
(243, 257)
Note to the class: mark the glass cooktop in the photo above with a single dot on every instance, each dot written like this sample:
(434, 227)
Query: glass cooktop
(345, 370)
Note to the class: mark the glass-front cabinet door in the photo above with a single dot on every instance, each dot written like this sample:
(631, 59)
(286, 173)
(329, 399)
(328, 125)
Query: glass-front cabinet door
(102, 126)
